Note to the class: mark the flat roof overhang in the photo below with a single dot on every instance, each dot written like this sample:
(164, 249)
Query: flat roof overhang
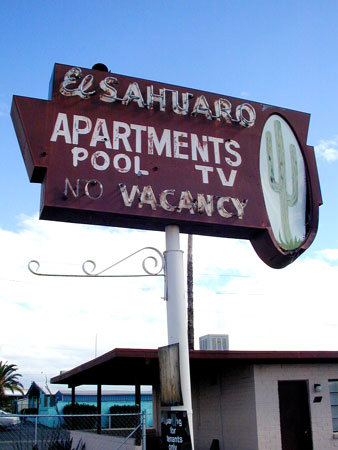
(123, 366)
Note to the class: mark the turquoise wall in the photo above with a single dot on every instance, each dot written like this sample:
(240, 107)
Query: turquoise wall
(107, 402)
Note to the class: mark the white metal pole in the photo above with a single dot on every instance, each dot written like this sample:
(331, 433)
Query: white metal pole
(177, 313)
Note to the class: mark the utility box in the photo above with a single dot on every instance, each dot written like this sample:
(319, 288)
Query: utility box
(214, 342)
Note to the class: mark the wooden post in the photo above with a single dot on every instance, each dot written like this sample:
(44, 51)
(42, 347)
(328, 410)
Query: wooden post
(138, 434)
(73, 395)
(99, 401)
(138, 395)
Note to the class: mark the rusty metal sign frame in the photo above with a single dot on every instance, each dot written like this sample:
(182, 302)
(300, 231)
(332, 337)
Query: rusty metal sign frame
(122, 151)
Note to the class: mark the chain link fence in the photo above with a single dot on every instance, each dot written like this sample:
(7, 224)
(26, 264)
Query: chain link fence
(73, 432)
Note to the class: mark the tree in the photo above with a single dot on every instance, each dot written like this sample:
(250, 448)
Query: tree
(190, 282)
(9, 379)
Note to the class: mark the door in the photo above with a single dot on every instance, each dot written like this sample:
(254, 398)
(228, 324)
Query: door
(294, 415)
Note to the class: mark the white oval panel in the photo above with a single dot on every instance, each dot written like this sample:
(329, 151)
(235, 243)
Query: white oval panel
(283, 179)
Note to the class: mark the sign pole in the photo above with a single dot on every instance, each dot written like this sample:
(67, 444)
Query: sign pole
(177, 314)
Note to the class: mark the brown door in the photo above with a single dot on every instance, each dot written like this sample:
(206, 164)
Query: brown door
(294, 415)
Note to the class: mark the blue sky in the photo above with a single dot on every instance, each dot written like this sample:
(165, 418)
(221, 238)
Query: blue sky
(280, 53)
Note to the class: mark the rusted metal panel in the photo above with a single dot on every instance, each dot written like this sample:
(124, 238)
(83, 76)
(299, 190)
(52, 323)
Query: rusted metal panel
(170, 380)
(120, 151)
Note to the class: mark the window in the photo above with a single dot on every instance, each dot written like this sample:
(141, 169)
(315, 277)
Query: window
(333, 385)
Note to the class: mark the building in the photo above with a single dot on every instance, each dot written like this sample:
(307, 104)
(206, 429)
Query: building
(51, 401)
(242, 400)
(214, 342)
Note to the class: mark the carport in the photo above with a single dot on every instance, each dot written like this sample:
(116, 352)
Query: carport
(129, 367)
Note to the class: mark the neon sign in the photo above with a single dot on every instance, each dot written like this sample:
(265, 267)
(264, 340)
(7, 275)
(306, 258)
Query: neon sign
(119, 151)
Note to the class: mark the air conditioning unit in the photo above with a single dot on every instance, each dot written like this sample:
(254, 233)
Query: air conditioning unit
(214, 342)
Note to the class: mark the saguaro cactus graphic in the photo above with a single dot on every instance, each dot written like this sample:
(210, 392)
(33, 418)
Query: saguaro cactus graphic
(287, 200)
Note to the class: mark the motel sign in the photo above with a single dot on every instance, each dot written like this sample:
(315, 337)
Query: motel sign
(121, 151)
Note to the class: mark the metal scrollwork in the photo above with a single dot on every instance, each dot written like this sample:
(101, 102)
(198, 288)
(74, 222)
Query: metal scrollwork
(89, 267)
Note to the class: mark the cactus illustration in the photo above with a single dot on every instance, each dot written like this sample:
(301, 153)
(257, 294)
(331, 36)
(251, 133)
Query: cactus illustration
(287, 200)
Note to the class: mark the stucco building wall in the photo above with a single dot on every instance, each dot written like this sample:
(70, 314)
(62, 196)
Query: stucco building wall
(224, 409)
(239, 405)
(267, 402)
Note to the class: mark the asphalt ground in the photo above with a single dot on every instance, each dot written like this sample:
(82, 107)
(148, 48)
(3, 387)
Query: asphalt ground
(25, 436)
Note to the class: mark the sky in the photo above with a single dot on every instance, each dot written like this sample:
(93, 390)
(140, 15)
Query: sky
(279, 53)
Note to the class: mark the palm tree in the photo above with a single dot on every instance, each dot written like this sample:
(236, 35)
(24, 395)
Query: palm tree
(190, 283)
(9, 379)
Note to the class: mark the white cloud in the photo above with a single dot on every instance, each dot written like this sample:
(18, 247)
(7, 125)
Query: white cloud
(330, 254)
(292, 308)
(328, 149)
(51, 324)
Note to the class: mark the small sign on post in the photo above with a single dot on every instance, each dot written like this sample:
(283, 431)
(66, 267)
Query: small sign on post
(175, 430)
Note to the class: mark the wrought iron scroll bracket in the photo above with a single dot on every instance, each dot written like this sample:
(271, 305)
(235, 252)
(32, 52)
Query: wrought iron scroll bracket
(89, 267)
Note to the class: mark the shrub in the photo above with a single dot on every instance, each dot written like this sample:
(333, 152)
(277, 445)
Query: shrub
(27, 411)
(79, 408)
(80, 423)
(127, 421)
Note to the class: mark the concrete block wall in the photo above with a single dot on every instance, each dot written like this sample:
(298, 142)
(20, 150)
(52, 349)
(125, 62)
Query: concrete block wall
(267, 402)
(238, 409)
(206, 401)
(224, 409)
